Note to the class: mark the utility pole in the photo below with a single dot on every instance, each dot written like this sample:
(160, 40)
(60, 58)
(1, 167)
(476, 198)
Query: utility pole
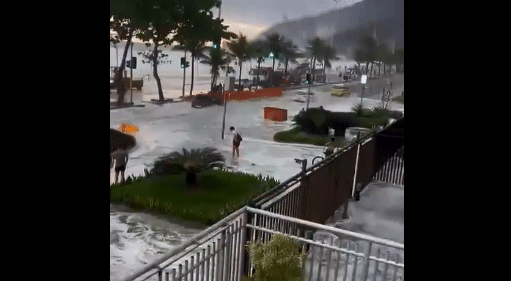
(225, 109)
(131, 74)
(309, 96)
(184, 75)
(363, 82)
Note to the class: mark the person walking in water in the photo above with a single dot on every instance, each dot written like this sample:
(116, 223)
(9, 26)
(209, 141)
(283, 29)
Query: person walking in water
(121, 159)
(236, 140)
(330, 147)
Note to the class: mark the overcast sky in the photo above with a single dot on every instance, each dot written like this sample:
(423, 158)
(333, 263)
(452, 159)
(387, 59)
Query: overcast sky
(254, 16)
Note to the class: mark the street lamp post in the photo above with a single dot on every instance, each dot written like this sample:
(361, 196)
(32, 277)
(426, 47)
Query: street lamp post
(225, 110)
(363, 82)
(131, 74)
(271, 56)
(116, 55)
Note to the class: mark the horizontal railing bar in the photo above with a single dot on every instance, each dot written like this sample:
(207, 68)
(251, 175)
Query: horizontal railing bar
(174, 258)
(188, 243)
(312, 242)
(329, 228)
(402, 265)
(214, 253)
(278, 197)
(326, 160)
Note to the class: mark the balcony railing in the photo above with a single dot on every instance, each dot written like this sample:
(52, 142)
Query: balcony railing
(297, 207)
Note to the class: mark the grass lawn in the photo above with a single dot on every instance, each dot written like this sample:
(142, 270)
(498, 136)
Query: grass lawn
(221, 193)
(296, 136)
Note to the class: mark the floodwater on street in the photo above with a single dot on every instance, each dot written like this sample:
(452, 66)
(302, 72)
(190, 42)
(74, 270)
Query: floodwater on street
(136, 238)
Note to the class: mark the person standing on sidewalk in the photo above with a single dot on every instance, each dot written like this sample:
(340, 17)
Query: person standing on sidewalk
(121, 159)
(236, 140)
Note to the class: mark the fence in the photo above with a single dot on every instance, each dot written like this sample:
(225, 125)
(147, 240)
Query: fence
(218, 253)
(298, 207)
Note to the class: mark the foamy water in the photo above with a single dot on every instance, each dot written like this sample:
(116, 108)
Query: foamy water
(137, 238)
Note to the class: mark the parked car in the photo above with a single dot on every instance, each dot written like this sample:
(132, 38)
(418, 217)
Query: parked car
(301, 96)
(200, 101)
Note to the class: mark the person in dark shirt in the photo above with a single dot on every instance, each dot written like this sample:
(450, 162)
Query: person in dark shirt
(121, 159)
(236, 140)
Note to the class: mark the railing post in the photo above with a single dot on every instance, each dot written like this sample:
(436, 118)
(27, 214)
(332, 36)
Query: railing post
(221, 254)
(366, 260)
(228, 254)
(243, 256)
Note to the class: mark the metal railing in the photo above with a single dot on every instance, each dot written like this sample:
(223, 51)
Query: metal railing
(213, 254)
(332, 253)
(296, 207)
(218, 253)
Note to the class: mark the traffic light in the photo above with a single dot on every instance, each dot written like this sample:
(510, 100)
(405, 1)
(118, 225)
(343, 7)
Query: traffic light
(216, 43)
(184, 63)
(309, 79)
(133, 62)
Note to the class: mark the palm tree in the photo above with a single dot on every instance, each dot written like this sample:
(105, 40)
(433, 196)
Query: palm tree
(315, 51)
(190, 162)
(274, 44)
(259, 52)
(368, 47)
(239, 48)
(383, 53)
(327, 55)
(195, 48)
(217, 59)
(399, 59)
(289, 53)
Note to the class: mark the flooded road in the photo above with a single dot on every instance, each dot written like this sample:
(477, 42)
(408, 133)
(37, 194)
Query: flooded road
(137, 238)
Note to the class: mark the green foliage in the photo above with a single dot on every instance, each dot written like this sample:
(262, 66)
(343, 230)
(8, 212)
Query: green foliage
(194, 159)
(241, 49)
(359, 110)
(223, 193)
(377, 116)
(296, 136)
(279, 259)
(318, 120)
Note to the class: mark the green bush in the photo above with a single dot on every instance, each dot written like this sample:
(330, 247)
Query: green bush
(278, 259)
(296, 136)
(377, 116)
(191, 162)
(318, 120)
(223, 193)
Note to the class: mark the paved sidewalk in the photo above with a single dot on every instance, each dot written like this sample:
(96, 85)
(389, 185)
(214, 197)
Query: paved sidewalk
(379, 212)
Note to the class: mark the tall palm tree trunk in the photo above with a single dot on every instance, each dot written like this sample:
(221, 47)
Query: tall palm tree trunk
(285, 68)
(239, 86)
(313, 69)
(191, 83)
(119, 81)
(258, 70)
(273, 70)
(155, 71)
(184, 78)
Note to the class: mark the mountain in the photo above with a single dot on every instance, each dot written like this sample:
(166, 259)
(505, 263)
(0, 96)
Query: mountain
(381, 18)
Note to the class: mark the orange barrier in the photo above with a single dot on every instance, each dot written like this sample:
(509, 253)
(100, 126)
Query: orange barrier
(245, 95)
(275, 114)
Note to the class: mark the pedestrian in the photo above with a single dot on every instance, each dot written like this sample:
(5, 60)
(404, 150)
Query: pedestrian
(236, 140)
(121, 159)
(330, 148)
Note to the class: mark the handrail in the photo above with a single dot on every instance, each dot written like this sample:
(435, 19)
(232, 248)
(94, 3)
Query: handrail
(331, 229)
(265, 198)
(188, 243)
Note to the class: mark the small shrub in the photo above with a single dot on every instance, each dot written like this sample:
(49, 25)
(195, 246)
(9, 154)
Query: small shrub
(278, 259)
